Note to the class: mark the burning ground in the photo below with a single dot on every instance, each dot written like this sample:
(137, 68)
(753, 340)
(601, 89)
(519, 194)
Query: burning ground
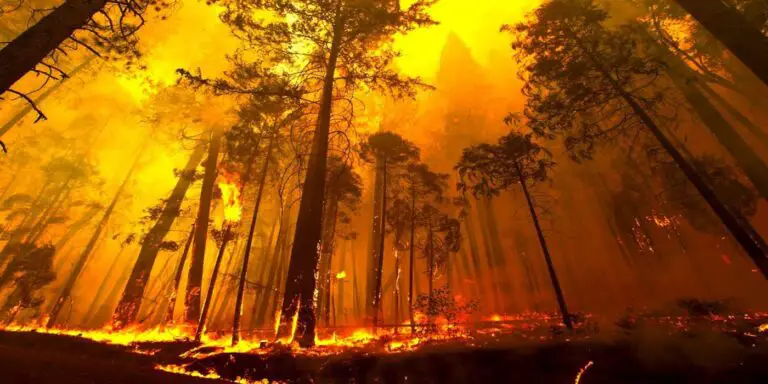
(532, 348)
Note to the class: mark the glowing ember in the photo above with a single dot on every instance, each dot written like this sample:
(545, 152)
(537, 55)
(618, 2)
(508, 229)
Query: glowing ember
(341, 275)
(496, 318)
(230, 195)
(763, 328)
(581, 372)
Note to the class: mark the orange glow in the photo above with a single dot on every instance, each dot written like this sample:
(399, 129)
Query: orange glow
(581, 372)
(230, 195)
(341, 275)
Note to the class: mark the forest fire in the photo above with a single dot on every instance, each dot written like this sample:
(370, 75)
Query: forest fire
(357, 191)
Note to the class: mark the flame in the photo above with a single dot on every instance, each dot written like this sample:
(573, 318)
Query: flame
(230, 195)
(341, 275)
(496, 318)
(581, 372)
(763, 328)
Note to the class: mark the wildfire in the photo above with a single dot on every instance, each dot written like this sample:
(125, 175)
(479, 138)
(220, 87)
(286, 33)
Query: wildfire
(341, 275)
(230, 195)
(581, 372)
(763, 328)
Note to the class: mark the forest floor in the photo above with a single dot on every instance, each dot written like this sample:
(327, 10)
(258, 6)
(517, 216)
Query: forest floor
(633, 353)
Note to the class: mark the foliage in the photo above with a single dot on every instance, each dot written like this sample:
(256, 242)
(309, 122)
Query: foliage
(442, 307)
(488, 169)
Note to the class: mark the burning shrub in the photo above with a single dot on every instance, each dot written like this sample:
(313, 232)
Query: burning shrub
(442, 310)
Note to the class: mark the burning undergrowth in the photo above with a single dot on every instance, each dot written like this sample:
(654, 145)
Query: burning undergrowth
(698, 335)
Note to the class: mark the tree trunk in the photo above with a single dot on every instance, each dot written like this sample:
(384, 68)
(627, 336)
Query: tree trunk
(69, 284)
(341, 284)
(301, 281)
(259, 316)
(31, 47)
(177, 277)
(355, 288)
(729, 26)
(195, 276)
(411, 260)
(327, 249)
(374, 243)
(247, 255)
(43, 96)
(543, 242)
(211, 285)
(379, 268)
(130, 302)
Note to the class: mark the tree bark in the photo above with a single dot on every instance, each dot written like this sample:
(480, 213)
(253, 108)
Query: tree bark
(301, 282)
(69, 284)
(197, 262)
(729, 26)
(130, 302)
(212, 285)
(543, 242)
(31, 47)
(379, 268)
(247, 255)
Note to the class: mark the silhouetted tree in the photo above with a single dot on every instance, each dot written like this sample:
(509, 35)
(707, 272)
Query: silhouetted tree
(488, 169)
(586, 81)
(389, 152)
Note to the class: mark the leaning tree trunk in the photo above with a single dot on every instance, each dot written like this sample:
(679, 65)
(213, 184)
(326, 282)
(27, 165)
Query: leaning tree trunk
(195, 276)
(130, 302)
(48, 92)
(101, 291)
(177, 277)
(379, 266)
(31, 47)
(749, 241)
(550, 266)
(301, 281)
(201, 324)
(69, 284)
(246, 257)
(735, 113)
(729, 26)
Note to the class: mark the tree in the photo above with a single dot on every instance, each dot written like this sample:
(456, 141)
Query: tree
(423, 187)
(586, 82)
(344, 192)
(30, 275)
(69, 284)
(353, 38)
(389, 152)
(487, 169)
(129, 304)
(195, 274)
(729, 26)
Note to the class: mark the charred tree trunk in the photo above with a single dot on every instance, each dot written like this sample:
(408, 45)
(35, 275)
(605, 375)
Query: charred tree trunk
(177, 277)
(301, 281)
(729, 26)
(262, 302)
(379, 268)
(412, 260)
(247, 255)
(129, 304)
(731, 110)
(69, 284)
(31, 47)
(195, 276)
(374, 243)
(543, 242)
(212, 285)
(48, 92)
